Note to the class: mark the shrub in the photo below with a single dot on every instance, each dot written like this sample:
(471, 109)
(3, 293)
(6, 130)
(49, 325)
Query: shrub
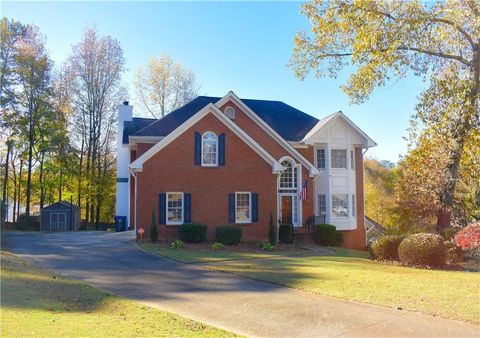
(469, 236)
(339, 238)
(473, 253)
(285, 233)
(176, 244)
(217, 246)
(326, 234)
(28, 223)
(266, 246)
(423, 249)
(449, 233)
(153, 228)
(228, 234)
(385, 248)
(193, 232)
(454, 252)
(271, 230)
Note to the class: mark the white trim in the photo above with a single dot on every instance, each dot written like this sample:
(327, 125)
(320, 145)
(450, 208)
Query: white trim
(287, 146)
(216, 150)
(328, 120)
(137, 165)
(249, 207)
(166, 207)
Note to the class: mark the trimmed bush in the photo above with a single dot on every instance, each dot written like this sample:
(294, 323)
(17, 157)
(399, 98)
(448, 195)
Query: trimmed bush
(385, 248)
(272, 236)
(326, 234)
(285, 233)
(266, 246)
(469, 237)
(339, 238)
(454, 252)
(423, 250)
(228, 234)
(153, 228)
(193, 232)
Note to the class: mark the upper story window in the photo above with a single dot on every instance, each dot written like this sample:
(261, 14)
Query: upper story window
(209, 149)
(352, 161)
(321, 158)
(288, 178)
(230, 112)
(339, 158)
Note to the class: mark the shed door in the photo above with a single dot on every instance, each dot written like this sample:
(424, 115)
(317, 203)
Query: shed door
(62, 221)
(53, 221)
(58, 221)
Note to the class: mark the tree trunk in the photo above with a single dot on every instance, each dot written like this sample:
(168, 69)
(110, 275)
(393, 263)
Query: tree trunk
(41, 179)
(19, 188)
(443, 219)
(5, 179)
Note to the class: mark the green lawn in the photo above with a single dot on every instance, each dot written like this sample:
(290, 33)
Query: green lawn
(208, 256)
(349, 275)
(38, 303)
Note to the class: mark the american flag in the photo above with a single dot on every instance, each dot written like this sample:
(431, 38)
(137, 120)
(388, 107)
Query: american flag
(304, 195)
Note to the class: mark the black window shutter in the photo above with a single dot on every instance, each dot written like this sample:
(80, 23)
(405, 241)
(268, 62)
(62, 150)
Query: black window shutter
(162, 200)
(221, 149)
(198, 148)
(231, 207)
(254, 207)
(187, 208)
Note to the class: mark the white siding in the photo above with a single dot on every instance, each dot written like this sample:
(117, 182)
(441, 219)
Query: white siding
(125, 113)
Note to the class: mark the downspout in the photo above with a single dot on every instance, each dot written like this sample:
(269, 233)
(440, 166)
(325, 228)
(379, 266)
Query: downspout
(135, 203)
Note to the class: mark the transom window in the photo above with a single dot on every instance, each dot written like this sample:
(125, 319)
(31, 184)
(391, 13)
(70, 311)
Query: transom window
(209, 149)
(339, 158)
(288, 178)
(243, 212)
(174, 208)
(340, 205)
(321, 158)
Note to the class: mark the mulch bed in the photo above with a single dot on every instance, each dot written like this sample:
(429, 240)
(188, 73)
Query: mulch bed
(248, 247)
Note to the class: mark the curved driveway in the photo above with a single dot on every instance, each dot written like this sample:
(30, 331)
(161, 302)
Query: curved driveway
(114, 263)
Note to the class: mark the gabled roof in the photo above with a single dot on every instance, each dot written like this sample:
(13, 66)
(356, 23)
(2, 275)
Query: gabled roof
(60, 204)
(328, 120)
(137, 165)
(290, 123)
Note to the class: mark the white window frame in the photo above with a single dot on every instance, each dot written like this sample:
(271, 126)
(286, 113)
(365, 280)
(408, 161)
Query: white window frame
(325, 161)
(331, 158)
(166, 207)
(216, 150)
(249, 207)
(347, 205)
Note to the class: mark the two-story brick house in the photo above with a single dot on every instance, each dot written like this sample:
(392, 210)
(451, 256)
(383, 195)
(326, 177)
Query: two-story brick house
(236, 161)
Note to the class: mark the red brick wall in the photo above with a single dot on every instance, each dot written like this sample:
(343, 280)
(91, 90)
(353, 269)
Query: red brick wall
(357, 239)
(173, 169)
(143, 147)
(276, 150)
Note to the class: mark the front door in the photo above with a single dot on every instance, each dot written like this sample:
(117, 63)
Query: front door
(286, 209)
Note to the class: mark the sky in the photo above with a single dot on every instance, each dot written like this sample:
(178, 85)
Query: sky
(240, 46)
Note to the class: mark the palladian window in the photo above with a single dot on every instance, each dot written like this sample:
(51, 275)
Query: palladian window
(209, 149)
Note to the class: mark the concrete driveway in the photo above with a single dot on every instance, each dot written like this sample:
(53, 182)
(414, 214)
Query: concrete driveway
(113, 262)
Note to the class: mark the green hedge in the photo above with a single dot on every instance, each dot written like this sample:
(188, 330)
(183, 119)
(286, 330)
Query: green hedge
(193, 232)
(228, 234)
(385, 248)
(326, 234)
(423, 249)
(285, 233)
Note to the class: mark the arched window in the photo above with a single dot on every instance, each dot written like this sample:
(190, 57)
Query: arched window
(288, 177)
(209, 149)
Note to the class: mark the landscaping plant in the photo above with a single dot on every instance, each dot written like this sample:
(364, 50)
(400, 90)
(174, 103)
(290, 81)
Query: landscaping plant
(423, 249)
(266, 246)
(326, 234)
(217, 246)
(228, 234)
(153, 228)
(385, 248)
(176, 244)
(193, 232)
(285, 233)
(272, 237)
(469, 237)
(454, 252)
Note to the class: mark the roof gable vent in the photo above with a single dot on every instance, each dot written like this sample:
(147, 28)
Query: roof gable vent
(230, 112)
